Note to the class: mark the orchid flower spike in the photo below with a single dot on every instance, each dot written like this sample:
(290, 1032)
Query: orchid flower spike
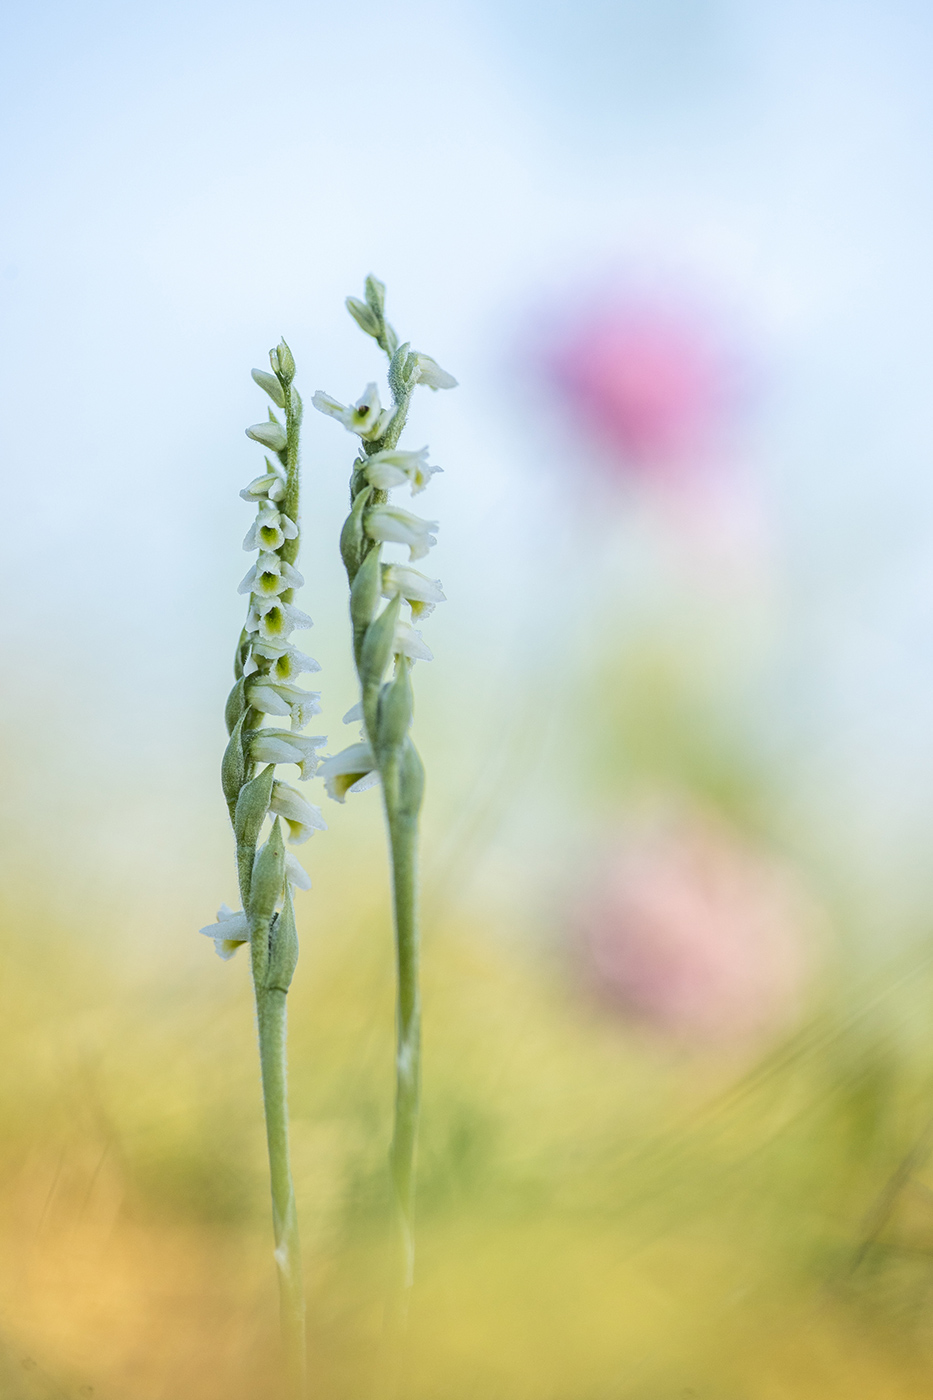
(382, 638)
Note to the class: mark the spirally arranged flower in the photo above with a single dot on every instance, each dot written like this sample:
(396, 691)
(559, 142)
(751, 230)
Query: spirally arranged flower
(266, 664)
(385, 646)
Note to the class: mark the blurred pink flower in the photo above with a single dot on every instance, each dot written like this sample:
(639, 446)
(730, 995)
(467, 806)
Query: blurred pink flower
(689, 931)
(651, 378)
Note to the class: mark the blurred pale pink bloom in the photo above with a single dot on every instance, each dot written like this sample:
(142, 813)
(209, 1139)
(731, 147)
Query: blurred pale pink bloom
(652, 379)
(689, 931)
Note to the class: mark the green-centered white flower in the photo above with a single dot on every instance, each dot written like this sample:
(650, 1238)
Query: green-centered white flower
(302, 818)
(420, 592)
(366, 417)
(270, 576)
(391, 525)
(351, 770)
(273, 619)
(272, 697)
(288, 661)
(229, 932)
(388, 469)
(270, 529)
(429, 372)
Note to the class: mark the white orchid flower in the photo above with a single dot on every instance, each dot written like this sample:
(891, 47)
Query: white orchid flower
(289, 661)
(390, 468)
(420, 592)
(272, 618)
(272, 484)
(302, 818)
(391, 525)
(230, 930)
(429, 372)
(351, 770)
(366, 417)
(270, 529)
(270, 576)
(408, 642)
(278, 698)
(285, 746)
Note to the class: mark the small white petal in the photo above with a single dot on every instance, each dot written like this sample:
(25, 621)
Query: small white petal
(429, 372)
(409, 642)
(325, 404)
(354, 714)
(229, 932)
(295, 873)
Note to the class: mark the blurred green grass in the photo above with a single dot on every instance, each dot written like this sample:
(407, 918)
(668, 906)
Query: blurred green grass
(599, 1216)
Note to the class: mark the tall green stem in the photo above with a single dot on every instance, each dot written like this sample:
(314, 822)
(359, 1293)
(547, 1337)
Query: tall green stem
(271, 1015)
(403, 839)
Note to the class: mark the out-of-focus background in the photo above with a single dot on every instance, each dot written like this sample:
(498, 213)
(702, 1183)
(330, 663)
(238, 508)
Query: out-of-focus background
(677, 880)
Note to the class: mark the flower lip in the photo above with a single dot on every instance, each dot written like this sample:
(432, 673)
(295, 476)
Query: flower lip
(351, 770)
(229, 932)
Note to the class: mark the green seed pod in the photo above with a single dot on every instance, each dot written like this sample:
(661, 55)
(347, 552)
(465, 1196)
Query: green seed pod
(235, 708)
(283, 953)
(364, 597)
(252, 806)
(268, 877)
(395, 710)
(352, 539)
(233, 766)
(377, 645)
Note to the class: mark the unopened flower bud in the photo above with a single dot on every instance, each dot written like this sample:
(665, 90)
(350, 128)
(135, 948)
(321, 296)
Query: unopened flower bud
(283, 361)
(270, 434)
(364, 316)
(271, 384)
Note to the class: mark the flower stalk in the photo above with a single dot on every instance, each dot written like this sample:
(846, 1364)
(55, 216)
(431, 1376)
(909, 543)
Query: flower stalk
(265, 667)
(384, 641)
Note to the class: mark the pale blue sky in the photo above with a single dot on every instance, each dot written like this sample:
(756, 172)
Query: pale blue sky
(185, 182)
